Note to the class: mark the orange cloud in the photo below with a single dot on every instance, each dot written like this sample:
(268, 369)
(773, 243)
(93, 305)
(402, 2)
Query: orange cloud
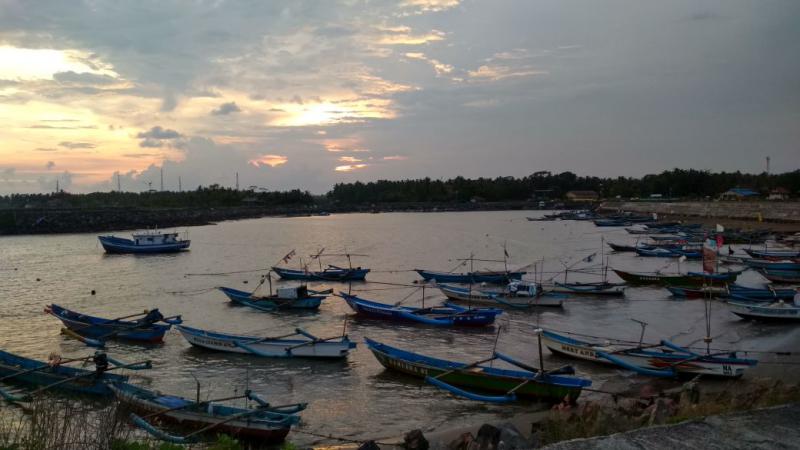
(349, 159)
(269, 160)
(350, 167)
(395, 158)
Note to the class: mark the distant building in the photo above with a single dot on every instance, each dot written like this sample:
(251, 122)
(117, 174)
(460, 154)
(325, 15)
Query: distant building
(778, 194)
(739, 194)
(582, 196)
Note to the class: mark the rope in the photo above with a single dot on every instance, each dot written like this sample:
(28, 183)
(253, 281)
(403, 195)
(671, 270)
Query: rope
(226, 273)
(190, 293)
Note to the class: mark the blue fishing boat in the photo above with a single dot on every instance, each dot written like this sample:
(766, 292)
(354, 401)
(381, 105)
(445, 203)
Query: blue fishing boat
(773, 254)
(97, 329)
(263, 425)
(792, 265)
(332, 273)
(779, 311)
(20, 370)
(307, 346)
(529, 383)
(603, 288)
(656, 252)
(697, 292)
(517, 295)
(145, 242)
(495, 277)
(612, 223)
(622, 247)
(761, 293)
(660, 360)
(781, 276)
(298, 297)
(448, 315)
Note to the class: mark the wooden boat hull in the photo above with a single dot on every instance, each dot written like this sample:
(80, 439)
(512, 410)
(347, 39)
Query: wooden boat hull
(761, 294)
(448, 316)
(773, 255)
(248, 428)
(765, 313)
(275, 348)
(90, 384)
(473, 277)
(459, 294)
(610, 289)
(113, 244)
(554, 389)
(621, 248)
(357, 274)
(649, 360)
(272, 303)
(691, 292)
(97, 327)
(689, 279)
(771, 265)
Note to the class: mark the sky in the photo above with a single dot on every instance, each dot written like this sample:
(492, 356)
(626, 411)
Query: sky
(306, 94)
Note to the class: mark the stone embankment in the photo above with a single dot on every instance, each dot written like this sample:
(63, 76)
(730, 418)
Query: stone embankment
(768, 211)
(766, 428)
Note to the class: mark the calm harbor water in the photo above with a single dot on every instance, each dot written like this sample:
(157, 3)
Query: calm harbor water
(355, 397)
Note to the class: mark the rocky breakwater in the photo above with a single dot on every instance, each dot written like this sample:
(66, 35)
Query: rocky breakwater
(768, 211)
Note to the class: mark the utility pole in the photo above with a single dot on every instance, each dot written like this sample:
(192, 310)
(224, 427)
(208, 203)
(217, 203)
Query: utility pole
(119, 183)
(179, 184)
(237, 181)
(162, 179)
(57, 186)
(768, 165)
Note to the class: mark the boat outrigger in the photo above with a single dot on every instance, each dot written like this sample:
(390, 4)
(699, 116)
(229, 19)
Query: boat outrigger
(94, 331)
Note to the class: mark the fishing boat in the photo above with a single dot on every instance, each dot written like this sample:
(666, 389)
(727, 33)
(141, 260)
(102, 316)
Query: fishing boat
(611, 223)
(297, 297)
(603, 288)
(688, 279)
(621, 247)
(779, 311)
(661, 360)
(519, 295)
(307, 346)
(660, 252)
(787, 264)
(56, 375)
(149, 241)
(697, 292)
(448, 315)
(781, 276)
(147, 329)
(773, 254)
(527, 383)
(761, 293)
(264, 424)
(331, 273)
(495, 277)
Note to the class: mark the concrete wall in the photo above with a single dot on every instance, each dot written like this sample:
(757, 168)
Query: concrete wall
(770, 211)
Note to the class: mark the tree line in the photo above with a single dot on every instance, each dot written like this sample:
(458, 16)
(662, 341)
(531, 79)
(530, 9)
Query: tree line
(677, 183)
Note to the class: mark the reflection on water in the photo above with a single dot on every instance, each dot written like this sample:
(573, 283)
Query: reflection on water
(355, 397)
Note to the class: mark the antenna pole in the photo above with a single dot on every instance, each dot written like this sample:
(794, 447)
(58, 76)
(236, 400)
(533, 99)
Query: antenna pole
(119, 183)
(180, 188)
(237, 181)
(162, 179)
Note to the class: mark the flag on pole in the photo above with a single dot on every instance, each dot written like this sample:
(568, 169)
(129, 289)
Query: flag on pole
(288, 256)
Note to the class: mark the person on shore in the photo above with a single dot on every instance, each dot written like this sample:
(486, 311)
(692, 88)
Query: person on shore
(100, 361)
(152, 317)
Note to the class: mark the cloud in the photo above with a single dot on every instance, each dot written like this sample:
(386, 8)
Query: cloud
(349, 159)
(49, 165)
(225, 109)
(269, 160)
(438, 66)
(350, 167)
(395, 158)
(424, 6)
(158, 137)
(76, 145)
(497, 72)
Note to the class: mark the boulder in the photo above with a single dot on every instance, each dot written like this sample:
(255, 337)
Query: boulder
(511, 439)
(462, 442)
(369, 445)
(414, 440)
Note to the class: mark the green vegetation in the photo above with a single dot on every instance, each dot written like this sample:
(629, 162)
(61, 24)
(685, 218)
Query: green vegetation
(677, 183)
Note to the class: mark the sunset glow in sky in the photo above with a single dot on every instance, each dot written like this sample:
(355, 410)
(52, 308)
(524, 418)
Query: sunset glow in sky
(305, 94)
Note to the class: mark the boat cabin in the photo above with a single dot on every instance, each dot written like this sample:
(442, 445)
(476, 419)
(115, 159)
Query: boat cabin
(155, 238)
(293, 292)
(523, 288)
